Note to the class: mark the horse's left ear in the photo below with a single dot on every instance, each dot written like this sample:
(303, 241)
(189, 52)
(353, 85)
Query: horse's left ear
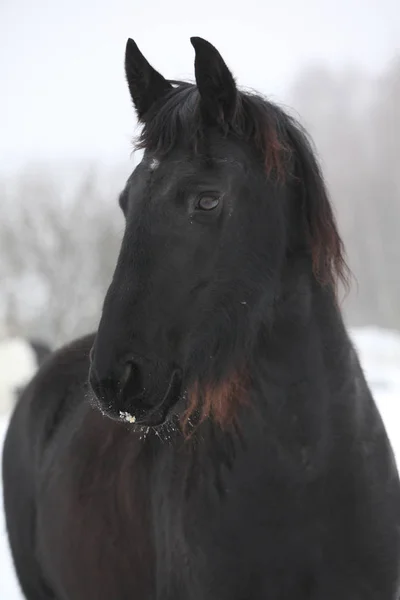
(146, 85)
(215, 82)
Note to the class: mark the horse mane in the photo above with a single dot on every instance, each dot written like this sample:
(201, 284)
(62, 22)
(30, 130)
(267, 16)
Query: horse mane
(287, 152)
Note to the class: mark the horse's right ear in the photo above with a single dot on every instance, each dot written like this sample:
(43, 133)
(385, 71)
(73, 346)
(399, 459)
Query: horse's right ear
(146, 85)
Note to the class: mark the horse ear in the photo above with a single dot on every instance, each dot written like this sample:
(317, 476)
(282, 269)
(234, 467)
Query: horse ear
(215, 82)
(146, 85)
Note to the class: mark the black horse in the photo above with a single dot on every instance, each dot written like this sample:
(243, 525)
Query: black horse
(216, 438)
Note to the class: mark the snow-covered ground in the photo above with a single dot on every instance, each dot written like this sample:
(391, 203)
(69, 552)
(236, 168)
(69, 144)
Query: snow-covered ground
(380, 356)
(379, 351)
(18, 363)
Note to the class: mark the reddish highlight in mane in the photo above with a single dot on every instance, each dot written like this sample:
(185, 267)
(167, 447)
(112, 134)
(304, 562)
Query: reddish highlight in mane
(327, 248)
(219, 402)
(329, 264)
(274, 154)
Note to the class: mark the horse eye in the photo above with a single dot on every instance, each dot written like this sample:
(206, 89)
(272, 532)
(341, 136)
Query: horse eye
(207, 202)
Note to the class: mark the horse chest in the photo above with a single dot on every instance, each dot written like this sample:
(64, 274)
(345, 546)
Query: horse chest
(95, 535)
(131, 530)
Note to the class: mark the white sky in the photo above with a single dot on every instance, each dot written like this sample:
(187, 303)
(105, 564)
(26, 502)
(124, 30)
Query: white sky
(62, 89)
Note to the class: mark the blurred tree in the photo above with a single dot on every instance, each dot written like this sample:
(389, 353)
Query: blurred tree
(355, 121)
(58, 245)
(58, 254)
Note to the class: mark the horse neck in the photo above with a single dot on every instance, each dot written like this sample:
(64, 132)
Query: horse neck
(303, 357)
(283, 432)
(304, 335)
(302, 362)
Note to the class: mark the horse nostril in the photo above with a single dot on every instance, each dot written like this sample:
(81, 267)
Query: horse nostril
(125, 375)
(132, 381)
(125, 381)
